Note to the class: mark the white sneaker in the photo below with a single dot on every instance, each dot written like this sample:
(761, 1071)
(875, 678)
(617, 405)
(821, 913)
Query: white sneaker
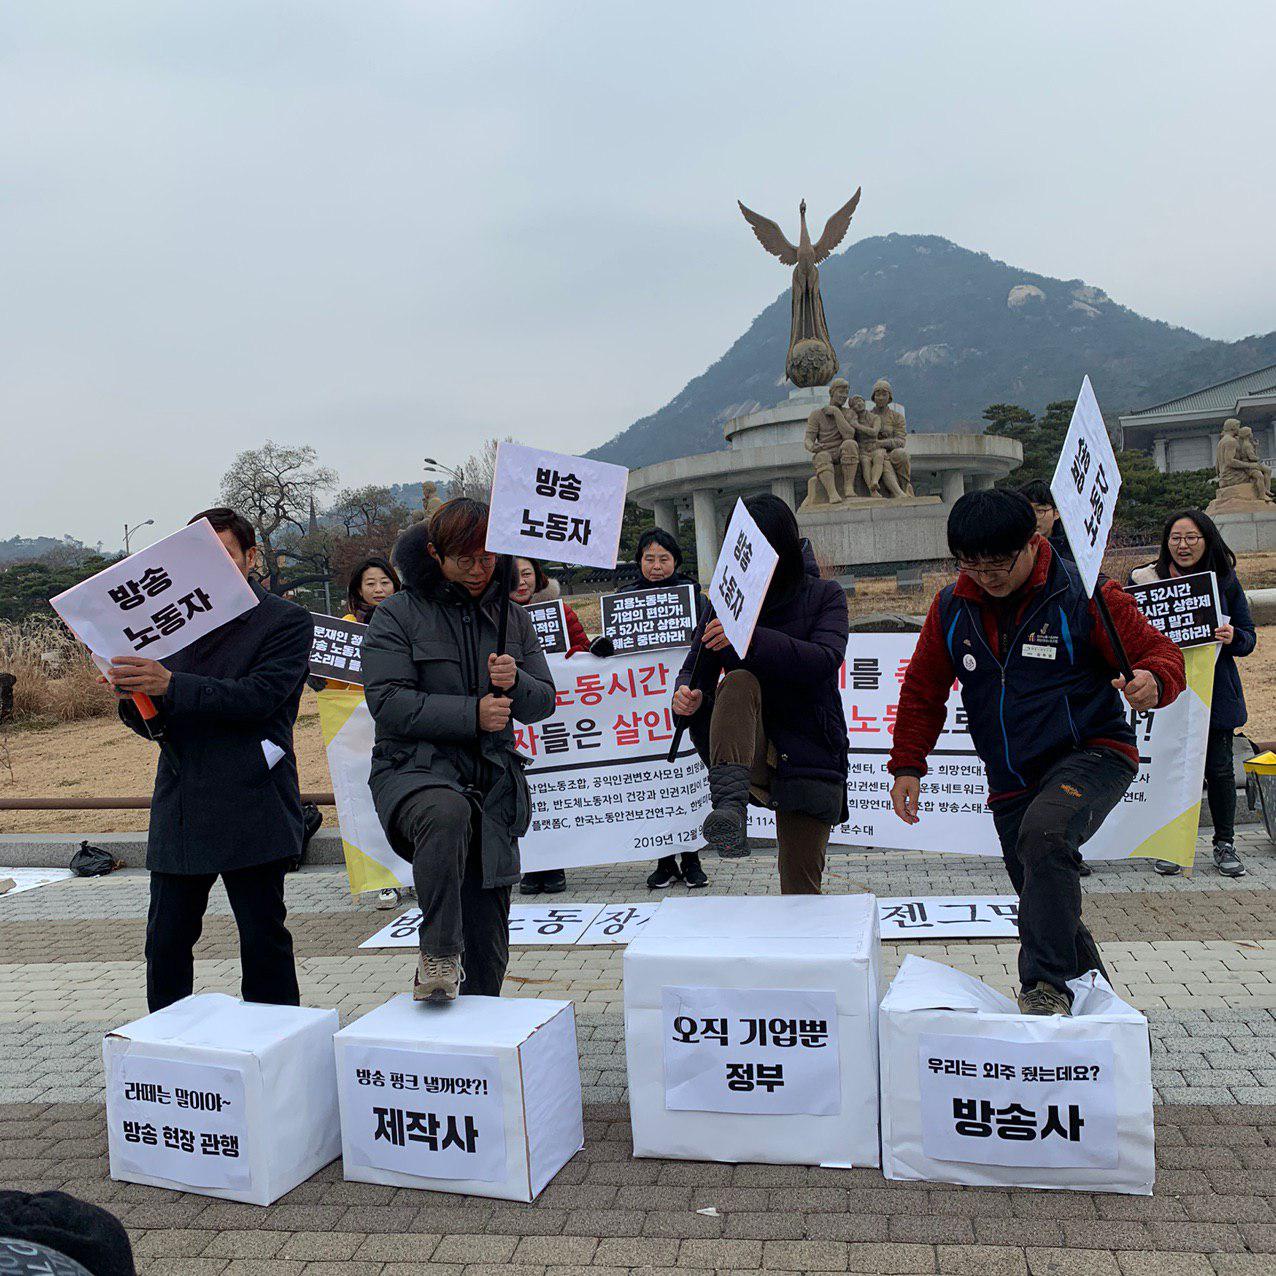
(438, 979)
(388, 898)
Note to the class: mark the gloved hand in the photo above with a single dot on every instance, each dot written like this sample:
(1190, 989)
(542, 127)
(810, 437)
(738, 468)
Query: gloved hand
(602, 646)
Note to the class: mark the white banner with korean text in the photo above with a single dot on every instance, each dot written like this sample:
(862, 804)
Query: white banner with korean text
(603, 793)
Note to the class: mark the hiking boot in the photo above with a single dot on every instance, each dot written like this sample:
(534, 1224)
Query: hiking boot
(553, 881)
(438, 979)
(726, 826)
(1043, 999)
(666, 874)
(388, 898)
(1227, 861)
(1167, 868)
(692, 874)
(531, 884)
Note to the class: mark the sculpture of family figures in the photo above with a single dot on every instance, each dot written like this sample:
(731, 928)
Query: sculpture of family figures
(1243, 480)
(848, 441)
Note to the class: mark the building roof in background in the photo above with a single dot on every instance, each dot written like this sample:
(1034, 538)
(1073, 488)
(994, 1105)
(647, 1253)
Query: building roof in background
(1214, 398)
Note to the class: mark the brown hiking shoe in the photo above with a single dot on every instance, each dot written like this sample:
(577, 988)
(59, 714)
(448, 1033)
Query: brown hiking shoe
(438, 979)
(1043, 999)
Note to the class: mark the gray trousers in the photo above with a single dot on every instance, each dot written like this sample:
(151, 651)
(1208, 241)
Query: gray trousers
(458, 915)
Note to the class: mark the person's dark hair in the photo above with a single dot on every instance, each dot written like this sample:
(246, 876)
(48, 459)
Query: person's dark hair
(777, 522)
(658, 536)
(224, 519)
(1218, 557)
(354, 591)
(542, 579)
(1038, 493)
(990, 524)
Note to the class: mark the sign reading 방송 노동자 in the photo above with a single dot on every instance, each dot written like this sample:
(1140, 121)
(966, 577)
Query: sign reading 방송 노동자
(741, 578)
(564, 508)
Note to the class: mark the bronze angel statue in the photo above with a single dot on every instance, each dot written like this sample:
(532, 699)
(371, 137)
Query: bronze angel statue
(811, 359)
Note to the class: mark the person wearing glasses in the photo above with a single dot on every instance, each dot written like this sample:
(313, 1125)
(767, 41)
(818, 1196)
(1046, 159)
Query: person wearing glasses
(446, 776)
(1190, 542)
(1042, 694)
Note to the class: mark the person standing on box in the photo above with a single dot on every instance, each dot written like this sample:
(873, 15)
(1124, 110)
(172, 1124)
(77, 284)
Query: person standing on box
(447, 778)
(1042, 693)
(773, 731)
(227, 801)
(1191, 542)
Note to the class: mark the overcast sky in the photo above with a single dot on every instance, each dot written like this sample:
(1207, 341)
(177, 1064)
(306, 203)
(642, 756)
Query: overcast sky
(392, 229)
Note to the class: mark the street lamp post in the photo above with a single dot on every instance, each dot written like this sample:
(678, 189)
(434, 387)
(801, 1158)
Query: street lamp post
(137, 527)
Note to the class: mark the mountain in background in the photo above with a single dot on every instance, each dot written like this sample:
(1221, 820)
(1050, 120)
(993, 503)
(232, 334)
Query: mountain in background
(953, 331)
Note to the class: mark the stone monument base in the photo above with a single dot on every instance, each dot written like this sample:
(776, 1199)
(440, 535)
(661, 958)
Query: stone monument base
(1238, 498)
(1249, 530)
(909, 529)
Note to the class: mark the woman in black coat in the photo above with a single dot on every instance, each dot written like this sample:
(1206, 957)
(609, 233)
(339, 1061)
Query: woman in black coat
(773, 731)
(659, 559)
(1191, 542)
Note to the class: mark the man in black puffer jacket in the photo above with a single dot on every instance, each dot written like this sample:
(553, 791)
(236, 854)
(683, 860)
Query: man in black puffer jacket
(773, 731)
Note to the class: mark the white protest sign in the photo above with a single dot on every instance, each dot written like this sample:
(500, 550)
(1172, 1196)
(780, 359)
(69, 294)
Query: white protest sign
(995, 1102)
(184, 1122)
(618, 923)
(160, 599)
(429, 1114)
(1085, 485)
(754, 1050)
(949, 917)
(564, 508)
(743, 573)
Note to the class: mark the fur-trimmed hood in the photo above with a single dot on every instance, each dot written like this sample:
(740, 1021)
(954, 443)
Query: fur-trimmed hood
(552, 592)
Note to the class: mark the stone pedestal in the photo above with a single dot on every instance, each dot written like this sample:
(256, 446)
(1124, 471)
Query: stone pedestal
(860, 531)
(1247, 530)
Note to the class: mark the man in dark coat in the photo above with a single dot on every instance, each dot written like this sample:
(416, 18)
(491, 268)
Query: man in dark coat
(227, 800)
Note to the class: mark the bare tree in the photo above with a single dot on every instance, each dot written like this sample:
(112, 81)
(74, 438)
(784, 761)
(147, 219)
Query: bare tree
(480, 469)
(370, 511)
(276, 489)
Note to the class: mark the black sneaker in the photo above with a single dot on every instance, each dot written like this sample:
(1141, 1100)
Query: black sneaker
(666, 874)
(553, 881)
(692, 874)
(1167, 868)
(1227, 861)
(532, 884)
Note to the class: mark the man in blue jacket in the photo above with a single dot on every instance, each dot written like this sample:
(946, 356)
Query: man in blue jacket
(227, 802)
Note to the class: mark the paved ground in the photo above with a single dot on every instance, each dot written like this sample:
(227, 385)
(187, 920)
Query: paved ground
(1198, 954)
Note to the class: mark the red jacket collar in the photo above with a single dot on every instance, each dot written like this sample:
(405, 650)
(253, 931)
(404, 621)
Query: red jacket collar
(967, 588)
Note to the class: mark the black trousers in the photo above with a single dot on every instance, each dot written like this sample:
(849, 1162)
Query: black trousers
(176, 919)
(458, 914)
(1040, 831)
(1220, 782)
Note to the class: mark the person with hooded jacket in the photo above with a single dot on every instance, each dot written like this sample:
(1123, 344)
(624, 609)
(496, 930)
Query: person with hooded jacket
(446, 777)
(770, 726)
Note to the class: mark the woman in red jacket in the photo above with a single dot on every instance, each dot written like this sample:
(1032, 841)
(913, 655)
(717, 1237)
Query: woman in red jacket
(532, 585)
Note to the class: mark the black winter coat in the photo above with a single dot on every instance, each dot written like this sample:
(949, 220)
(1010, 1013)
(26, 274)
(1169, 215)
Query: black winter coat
(217, 806)
(424, 672)
(797, 649)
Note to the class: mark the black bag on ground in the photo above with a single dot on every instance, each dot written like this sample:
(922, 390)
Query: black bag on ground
(93, 861)
(85, 1233)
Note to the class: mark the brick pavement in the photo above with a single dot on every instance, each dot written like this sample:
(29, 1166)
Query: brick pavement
(1198, 954)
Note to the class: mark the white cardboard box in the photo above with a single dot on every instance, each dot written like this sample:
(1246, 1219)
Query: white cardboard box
(222, 1097)
(791, 963)
(481, 1096)
(974, 1092)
